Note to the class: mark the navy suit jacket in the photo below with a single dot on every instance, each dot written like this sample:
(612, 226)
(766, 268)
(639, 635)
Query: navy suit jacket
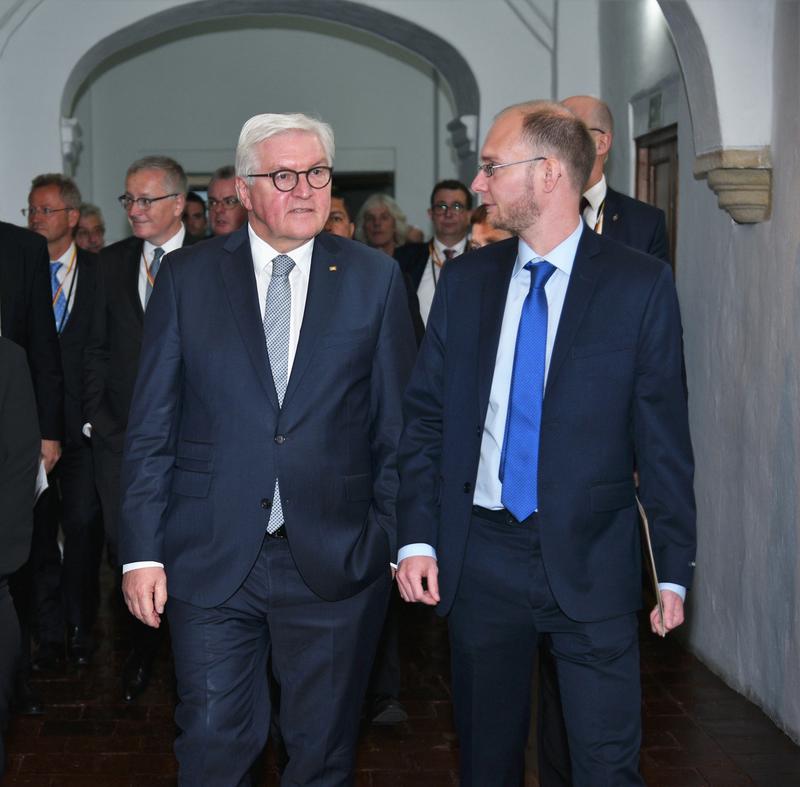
(206, 437)
(614, 389)
(636, 224)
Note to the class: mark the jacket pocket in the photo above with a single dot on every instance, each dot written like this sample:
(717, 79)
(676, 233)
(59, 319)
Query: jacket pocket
(610, 497)
(190, 483)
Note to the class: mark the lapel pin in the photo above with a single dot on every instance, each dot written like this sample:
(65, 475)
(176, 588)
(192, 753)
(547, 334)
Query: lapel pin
(615, 217)
(331, 267)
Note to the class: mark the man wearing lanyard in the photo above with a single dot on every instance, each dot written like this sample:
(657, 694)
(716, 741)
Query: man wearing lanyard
(449, 212)
(153, 200)
(66, 592)
(606, 211)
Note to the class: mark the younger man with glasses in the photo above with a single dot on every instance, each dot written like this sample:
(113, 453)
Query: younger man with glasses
(154, 199)
(450, 208)
(225, 212)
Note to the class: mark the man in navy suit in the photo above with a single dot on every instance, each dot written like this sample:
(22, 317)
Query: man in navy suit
(260, 473)
(606, 211)
(548, 363)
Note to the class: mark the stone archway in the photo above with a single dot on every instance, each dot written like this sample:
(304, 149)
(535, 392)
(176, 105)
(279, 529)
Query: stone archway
(740, 176)
(447, 60)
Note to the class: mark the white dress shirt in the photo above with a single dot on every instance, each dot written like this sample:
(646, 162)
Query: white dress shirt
(430, 276)
(488, 487)
(68, 279)
(592, 213)
(175, 242)
(263, 254)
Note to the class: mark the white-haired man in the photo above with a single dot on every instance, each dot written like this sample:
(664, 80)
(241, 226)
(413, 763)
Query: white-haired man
(259, 467)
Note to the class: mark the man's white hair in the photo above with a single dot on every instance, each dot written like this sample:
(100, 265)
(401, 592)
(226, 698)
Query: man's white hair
(261, 127)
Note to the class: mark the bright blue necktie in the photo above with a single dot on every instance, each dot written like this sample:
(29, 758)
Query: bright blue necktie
(60, 303)
(519, 462)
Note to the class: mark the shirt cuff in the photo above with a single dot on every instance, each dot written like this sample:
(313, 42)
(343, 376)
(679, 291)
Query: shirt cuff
(141, 564)
(679, 589)
(416, 550)
(87, 430)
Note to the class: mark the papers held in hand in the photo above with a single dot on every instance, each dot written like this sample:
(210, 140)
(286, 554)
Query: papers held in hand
(651, 565)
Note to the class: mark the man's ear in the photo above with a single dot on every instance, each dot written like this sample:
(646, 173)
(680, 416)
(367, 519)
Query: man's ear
(603, 144)
(552, 172)
(243, 193)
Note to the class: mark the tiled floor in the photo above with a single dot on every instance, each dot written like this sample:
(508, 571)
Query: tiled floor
(696, 730)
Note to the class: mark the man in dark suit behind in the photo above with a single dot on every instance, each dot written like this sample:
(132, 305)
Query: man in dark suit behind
(65, 590)
(606, 211)
(260, 471)
(548, 363)
(154, 198)
(19, 458)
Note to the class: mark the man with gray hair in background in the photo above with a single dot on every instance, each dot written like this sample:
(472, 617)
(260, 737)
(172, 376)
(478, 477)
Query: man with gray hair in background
(154, 198)
(259, 472)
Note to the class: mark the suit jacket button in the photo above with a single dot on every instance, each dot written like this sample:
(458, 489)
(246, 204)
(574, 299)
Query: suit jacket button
(280, 439)
(467, 487)
(478, 431)
(266, 502)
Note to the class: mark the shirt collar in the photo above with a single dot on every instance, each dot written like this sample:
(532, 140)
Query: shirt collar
(597, 193)
(561, 257)
(175, 242)
(440, 247)
(66, 258)
(263, 254)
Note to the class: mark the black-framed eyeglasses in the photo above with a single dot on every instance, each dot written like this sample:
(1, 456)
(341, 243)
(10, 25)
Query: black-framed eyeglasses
(127, 201)
(489, 169)
(226, 203)
(287, 179)
(440, 208)
(32, 211)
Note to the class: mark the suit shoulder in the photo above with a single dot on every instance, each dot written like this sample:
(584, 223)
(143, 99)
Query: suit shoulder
(629, 261)
(12, 355)
(121, 248)
(24, 239)
(410, 252)
(633, 206)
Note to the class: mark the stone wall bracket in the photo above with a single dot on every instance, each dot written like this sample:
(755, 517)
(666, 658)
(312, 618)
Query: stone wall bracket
(742, 180)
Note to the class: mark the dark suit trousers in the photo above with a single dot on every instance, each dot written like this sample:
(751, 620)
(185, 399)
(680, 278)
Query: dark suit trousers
(503, 609)
(66, 591)
(8, 659)
(107, 470)
(321, 653)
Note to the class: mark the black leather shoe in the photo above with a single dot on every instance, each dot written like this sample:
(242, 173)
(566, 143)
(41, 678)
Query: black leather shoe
(135, 677)
(79, 646)
(27, 700)
(49, 657)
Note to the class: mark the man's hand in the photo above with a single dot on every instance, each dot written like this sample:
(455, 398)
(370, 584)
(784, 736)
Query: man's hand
(412, 572)
(673, 613)
(145, 592)
(51, 453)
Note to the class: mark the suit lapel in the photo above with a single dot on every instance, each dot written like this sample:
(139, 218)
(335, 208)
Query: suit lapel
(323, 285)
(585, 272)
(131, 288)
(239, 279)
(611, 215)
(493, 302)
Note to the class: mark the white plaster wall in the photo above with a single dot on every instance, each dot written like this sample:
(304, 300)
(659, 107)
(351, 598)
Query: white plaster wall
(739, 288)
(510, 65)
(740, 294)
(638, 55)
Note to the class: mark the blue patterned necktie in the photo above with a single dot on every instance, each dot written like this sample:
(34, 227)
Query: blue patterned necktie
(59, 303)
(277, 319)
(158, 253)
(519, 462)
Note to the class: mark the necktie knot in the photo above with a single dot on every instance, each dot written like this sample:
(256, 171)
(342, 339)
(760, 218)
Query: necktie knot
(282, 266)
(540, 272)
(449, 254)
(55, 267)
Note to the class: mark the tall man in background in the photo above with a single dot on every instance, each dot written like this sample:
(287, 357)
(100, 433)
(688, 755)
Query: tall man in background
(154, 197)
(260, 458)
(549, 362)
